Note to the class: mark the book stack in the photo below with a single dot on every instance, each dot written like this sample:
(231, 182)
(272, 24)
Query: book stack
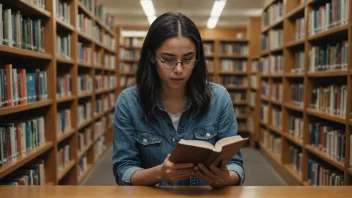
(296, 128)
(63, 157)
(332, 14)
(328, 57)
(330, 99)
(297, 94)
(320, 175)
(64, 85)
(20, 31)
(277, 91)
(63, 121)
(328, 139)
(83, 112)
(20, 138)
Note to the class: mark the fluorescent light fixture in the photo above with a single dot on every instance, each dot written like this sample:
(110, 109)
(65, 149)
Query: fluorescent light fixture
(215, 13)
(151, 19)
(212, 22)
(253, 12)
(217, 8)
(133, 33)
(149, 10)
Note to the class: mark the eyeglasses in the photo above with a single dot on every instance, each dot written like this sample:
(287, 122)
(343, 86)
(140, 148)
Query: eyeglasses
(168, 64)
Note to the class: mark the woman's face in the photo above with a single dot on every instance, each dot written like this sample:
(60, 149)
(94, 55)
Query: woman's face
(175, 49)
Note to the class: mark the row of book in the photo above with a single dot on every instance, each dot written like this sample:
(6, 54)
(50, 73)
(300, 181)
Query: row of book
(276, 63)
(329, 57)
(84, 112)
(252, 98)
(83, 164)
(31, 174)
(241, 110)
(251, 124)
(233, 49)
(104, 82)
(228, 65)
(127, 54)
(320, 175)
(254, 66)
(18, 138)
(128, 67)
(273, 14)
(99, 127)
(99, 147)
(84, 53)
(84, 138)
(104, 103)
(19, 31)
(63, 121)
(296, 158)
(85, 25)
(271, 141)
(329, 139)
(127, 81)
(98, 10)
(329, 15)
(296, 127)
(210, 65)
(264, 113)
(62, 11)
(264, 42)
(63, 157)
(231, 81)
(64, 85)
(39, 3)
(297, 94)
(238, 96)
(109, 61)
(208, 48)
(298, 67)
(84, 84)
(300, 30)
(63, 46)
(254, 81)
(330, 99)
(276, 118)
(276, 38)
(132, 42)
(19, 86)
(242, 124)
(277, 91)
(265, 88)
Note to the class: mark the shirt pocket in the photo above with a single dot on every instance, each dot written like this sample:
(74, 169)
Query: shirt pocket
(149, 146)
(206, 133)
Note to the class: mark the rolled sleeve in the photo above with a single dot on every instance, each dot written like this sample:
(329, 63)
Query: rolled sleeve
(239, 170)
(127, 175)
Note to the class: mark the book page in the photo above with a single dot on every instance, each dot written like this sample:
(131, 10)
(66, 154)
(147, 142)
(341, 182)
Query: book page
(197, 143)
(226, 141)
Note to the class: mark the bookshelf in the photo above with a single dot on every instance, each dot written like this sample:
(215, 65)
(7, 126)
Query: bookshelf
(292, 145)
(69, 69)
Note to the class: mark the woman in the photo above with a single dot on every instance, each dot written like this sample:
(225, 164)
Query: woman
(172, 100)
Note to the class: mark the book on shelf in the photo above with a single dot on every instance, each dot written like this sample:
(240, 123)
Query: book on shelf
(297, 94)
(264, 112)
(296, 158)
(264, 42)
(328, 57)
(83, 112)
(208, 48)
(30, 174)
(85, 84)
(230, 48)
(320, 175)
(20, 31)
(64, 85)
(276, 38)
(62, 11)
(63, 157)
(83, 164)
(271, 141)
(238, 96)
(273, 14)
(127, 54)
(99, 147)
(276, 64)
(277, 91)
(84, 53)
(38, 3)
(196, 151)
(231, 81)
(17, 138)
(328, 139)
(331, 14)
(84, 138)
(264, 65)
(228, 65)
(299, 57)
(276, 115)
(300, 30)
(63, 121)
(330, 99)
(296, 127)
(63, 46)
(99, 127)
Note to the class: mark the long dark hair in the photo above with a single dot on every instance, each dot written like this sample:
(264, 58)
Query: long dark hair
(148, 82)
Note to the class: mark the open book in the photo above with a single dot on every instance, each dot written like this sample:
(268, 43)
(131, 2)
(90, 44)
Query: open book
(196, 151)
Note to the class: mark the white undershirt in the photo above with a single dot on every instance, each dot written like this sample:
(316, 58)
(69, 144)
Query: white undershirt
(175, 118)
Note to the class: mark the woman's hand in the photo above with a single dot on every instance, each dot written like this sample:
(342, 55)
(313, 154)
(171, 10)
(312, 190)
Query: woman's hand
(175, 172)
(216, 177)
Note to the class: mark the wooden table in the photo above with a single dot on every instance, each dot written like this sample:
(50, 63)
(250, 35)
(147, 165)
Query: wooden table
(129, 191)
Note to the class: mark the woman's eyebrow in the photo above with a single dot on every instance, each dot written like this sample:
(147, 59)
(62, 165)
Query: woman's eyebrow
(169, 54)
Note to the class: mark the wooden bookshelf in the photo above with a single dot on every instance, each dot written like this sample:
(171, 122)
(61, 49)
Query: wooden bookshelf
(293, 43)
(55, 65)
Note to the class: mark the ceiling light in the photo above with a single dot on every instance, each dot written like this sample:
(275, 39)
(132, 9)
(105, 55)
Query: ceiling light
(149, 10)
(212, 22)
(217, 8)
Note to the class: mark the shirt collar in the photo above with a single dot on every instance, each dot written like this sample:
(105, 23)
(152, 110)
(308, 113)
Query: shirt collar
(161, 107)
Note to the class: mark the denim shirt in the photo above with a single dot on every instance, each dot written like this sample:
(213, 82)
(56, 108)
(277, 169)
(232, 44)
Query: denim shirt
(138, 144)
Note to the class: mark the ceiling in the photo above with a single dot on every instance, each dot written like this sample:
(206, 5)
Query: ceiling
(235, 13)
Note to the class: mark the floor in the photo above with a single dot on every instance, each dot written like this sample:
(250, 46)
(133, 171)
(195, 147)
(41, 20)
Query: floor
(257, 169)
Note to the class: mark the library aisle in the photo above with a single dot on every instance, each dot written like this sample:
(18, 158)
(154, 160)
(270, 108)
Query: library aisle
(258, 171)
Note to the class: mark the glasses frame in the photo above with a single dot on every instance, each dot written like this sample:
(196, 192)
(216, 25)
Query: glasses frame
(163, 62)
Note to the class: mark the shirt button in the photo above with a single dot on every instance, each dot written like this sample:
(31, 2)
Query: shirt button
(173, 139)
(208, 134)
(145, 140)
